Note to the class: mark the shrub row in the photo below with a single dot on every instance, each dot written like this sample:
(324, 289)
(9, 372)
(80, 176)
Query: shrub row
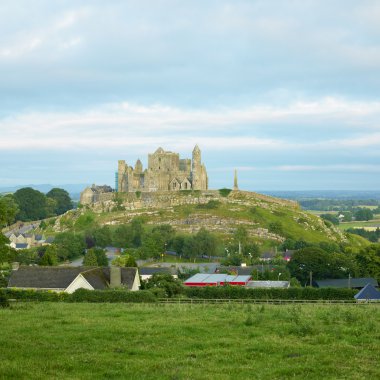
(112, 296)
(148, 296)
(81, 295)
(235, 292)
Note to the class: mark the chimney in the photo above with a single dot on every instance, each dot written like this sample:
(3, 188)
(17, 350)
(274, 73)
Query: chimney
(15, 265)
(115, 277)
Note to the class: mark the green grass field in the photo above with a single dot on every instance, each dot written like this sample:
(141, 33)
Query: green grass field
(120, 341)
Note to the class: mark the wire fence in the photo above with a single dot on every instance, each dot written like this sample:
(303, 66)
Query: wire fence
(198, 301)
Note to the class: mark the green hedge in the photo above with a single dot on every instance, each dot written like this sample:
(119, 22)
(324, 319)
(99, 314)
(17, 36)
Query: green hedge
(84, 295)
(236, 292)
(148, 296)
(36, 295)
(81, 295)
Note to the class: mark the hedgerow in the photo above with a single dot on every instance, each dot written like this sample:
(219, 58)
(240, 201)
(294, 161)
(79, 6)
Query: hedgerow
(112, 296)
(152, 295)
(235, 292)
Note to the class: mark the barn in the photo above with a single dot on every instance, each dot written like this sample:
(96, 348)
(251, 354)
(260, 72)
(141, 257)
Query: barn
(219, 279)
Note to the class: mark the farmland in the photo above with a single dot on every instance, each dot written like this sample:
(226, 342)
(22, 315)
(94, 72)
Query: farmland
(114, 341)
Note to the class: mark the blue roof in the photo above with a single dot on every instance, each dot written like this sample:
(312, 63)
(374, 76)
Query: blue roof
(369, 292)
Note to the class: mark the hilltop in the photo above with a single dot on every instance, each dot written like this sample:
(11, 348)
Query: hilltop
(267, 219)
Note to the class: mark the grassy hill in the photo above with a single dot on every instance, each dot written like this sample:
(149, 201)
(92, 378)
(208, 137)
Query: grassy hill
(268, 220)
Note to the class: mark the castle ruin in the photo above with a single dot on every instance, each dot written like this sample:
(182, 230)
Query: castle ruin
(165, 172)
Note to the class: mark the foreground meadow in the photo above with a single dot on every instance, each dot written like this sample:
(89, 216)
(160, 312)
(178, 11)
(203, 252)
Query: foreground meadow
(121, 341)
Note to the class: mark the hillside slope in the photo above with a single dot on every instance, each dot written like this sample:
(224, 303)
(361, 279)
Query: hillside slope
(265, 217)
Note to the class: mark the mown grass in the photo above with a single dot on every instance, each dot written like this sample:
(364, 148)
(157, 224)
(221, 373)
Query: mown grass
(118, 341)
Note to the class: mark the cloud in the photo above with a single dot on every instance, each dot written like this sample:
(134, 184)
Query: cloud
(129, 124)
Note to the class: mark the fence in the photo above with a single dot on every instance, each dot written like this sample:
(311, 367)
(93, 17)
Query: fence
(195, 301)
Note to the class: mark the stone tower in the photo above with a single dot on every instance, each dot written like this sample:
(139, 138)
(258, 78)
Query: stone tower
(236, 187)
(196, 168)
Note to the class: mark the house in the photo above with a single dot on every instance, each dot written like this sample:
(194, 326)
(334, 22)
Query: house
(148, 272)
(268, 284)
(354, 283)
(368, 293)
(204, 279)
(69, 279)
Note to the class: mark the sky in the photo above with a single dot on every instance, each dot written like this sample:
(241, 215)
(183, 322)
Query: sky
(286, 92)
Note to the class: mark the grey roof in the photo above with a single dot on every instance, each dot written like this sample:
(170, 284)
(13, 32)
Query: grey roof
(368, 293)
(346, 283)
(62, 277)
(38, 237)
(152, 270)
(247, 271)
(96, 278)
(43, 277)
(219, 278)
(21, 245)
(50, 239)
(268, 284)
(127, 276)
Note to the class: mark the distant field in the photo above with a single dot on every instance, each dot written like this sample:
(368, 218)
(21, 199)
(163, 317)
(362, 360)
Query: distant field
(370, 224)
(119, 341)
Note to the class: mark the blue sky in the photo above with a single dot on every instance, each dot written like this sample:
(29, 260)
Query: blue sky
(287, 92)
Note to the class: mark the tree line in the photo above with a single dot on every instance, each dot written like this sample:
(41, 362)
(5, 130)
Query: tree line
(27, 204)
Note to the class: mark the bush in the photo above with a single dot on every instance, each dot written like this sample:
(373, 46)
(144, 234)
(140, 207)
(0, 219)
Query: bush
(112, 296)
(3, 299)
(210, 205)
(224, 192)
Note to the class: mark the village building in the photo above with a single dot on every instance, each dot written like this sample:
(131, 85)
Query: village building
(69, 279)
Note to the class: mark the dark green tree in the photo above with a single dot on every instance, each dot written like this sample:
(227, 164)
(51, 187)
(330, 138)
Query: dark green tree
(101, 257)
(368, 260)
(69, 245)
(31, 203)
(50, 257)
(62, 200)
(8, 210)
(122, 236)
(331, 218)
(102, 236)
(90, 259)
(167, 282)
(363, 214)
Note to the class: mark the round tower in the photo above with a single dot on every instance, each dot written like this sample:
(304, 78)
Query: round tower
(196, 168)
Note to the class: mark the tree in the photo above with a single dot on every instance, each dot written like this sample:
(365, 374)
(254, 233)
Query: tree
(321, 263)
(368, 260)
(331, 218)
(62, 200)
(101, 257)
(363, 214)
(4, 249)
(8, 210)
(122, 236)
(102, 236)
(127, 261)
(50, 257)
(90, 259)
(137, 231)
(153, 245)
(69, 245)
(31, 203)
(167, 282)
